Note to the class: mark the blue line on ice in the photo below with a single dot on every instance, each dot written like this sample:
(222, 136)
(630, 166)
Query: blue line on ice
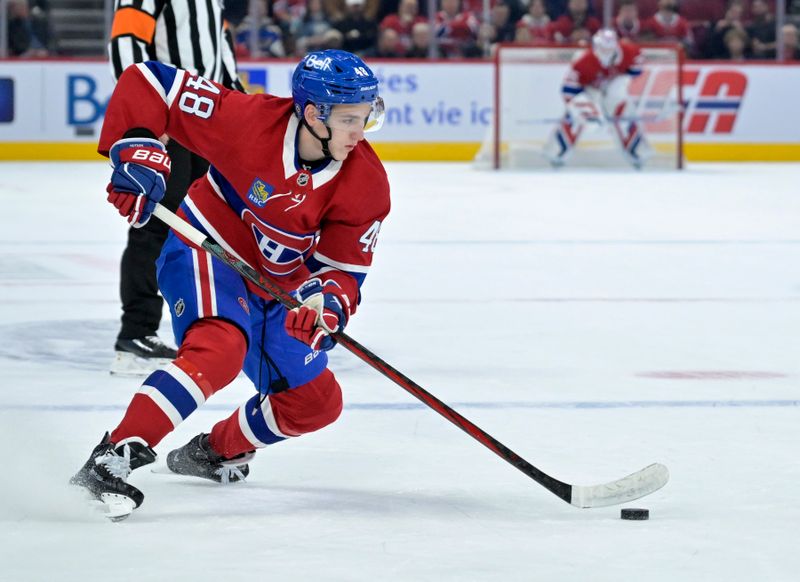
(392, 406)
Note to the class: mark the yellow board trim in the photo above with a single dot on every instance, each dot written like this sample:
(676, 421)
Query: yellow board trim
(742, 152)
(49, 151)
(423, 151)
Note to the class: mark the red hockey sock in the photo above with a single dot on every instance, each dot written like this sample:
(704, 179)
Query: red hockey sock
(209, 359)
(290, 413)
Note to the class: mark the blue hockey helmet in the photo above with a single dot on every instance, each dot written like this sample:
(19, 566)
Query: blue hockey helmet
(333, 77)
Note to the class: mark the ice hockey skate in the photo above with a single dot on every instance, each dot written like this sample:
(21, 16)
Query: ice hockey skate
(197, 459)
(105, 475)
(139, 357)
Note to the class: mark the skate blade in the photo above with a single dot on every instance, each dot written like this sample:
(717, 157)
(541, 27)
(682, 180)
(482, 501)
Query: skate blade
(118, 507)
(128, 365)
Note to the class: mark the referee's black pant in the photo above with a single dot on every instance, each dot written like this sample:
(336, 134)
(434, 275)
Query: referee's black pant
(141, 302)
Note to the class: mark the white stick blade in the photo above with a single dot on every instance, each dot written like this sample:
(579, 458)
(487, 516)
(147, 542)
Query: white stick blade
(634, 486)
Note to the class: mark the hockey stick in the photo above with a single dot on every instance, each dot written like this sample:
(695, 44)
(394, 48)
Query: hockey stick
(633, 486)
(665, 113)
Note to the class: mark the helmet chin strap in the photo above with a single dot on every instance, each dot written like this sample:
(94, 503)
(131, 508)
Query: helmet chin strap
(322, 140)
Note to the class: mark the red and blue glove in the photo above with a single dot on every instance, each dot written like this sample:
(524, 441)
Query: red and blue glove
(141, 168)
(322, 313)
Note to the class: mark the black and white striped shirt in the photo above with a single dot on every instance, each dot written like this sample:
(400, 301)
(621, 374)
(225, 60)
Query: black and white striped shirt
(189, 34)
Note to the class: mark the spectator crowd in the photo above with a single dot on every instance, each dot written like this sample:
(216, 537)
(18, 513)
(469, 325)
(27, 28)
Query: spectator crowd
(708, 29)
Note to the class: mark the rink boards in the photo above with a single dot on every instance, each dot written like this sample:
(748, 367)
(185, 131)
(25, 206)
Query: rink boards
(439, 110)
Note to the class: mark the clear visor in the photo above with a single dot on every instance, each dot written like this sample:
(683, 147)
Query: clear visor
(353, 117)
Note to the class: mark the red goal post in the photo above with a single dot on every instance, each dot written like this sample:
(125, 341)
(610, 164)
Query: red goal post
(528, 106)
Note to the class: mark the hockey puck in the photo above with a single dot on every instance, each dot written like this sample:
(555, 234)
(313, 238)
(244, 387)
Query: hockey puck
(635, 513)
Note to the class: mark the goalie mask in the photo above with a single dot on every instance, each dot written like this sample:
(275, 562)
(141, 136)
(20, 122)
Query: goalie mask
(333, 77)
(605, 46)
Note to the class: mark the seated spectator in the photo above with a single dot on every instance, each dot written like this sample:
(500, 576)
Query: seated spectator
(477, 6)
(503, 25)
(536, 23)
(235, 12)
(268, 42)
(359, 30)
(557, 8)
(576, 25)
(421, 42)
(484, 43)
(761, 30)
(666, 25)
(735, 44)
(581, 36)
(793, 12)
(29, 32)
(627, 23)
(403, 21)
(731, 20)
(310, 31)
(790, 42)
(456, 31)
(388, 46)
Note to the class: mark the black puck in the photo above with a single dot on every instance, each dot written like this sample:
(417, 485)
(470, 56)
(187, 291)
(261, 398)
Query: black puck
(635, 513)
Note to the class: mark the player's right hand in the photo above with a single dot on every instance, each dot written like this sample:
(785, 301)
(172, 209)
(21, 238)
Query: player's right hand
(322, 313)
(139, 181)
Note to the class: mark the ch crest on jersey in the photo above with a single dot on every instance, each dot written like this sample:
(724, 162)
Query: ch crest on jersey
(282, 252)
(259, 192)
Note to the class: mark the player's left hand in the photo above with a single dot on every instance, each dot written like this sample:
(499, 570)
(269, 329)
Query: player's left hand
(322, 313)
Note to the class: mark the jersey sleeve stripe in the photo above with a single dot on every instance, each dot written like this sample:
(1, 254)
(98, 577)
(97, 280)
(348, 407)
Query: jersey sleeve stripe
(149, 71)
(130, 21)
(348, 267)
(359, 277)
(198, 220)
(176, 87)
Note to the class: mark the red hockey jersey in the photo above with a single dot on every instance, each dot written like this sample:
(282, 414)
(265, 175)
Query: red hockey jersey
(587, 71)
(256, 200)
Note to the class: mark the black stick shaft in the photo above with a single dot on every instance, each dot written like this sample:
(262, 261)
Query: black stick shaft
(559, 488)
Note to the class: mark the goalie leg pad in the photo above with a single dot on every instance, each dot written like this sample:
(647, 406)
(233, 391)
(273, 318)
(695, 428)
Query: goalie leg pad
(634, 144)
(562, 141)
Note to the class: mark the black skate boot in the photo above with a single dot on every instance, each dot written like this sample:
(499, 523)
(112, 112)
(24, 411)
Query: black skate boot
(141, 356)
(197, 459)
(104, 475)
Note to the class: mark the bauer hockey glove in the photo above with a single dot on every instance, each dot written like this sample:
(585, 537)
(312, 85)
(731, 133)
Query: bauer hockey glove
(322, 313)
(139, 181)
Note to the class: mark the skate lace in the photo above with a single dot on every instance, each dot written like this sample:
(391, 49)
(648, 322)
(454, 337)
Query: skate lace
(155, 341)
(225, 473)
(118, 465)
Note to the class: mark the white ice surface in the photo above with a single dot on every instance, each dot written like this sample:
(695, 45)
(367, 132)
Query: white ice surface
(592, 322)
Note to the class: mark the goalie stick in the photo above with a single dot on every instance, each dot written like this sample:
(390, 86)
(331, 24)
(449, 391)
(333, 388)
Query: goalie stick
(634, 486)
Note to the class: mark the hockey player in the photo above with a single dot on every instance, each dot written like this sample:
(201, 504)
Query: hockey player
(295, 192)
(596, 93)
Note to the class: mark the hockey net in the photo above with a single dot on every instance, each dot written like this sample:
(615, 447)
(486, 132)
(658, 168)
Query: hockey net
(528, 106)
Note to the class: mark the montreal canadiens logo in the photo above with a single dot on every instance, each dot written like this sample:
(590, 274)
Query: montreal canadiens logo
(282, 252)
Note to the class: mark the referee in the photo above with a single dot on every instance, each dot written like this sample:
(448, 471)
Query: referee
(191, 35)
